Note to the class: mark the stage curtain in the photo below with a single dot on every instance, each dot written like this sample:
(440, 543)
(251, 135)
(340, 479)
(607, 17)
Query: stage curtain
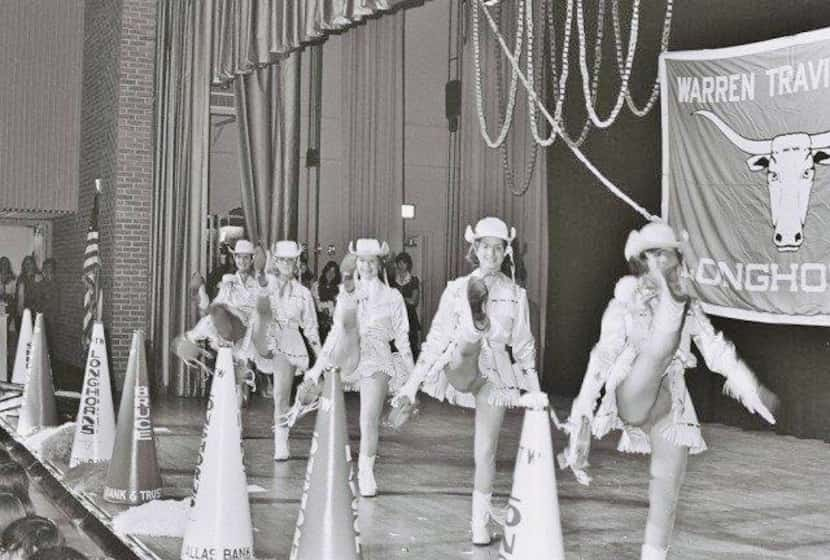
(182, 125)
(484, 189)
(254, 33)
(372, 109)
(268, 111)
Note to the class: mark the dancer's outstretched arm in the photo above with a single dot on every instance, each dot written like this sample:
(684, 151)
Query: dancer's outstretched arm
(611, 342)
(523, 343)
(308, 320)
(439, 336)
(721, 357)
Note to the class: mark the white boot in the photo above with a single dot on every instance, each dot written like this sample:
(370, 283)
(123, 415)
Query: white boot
(481, 515)
(366, 476)
(281, 451)
(653, 553)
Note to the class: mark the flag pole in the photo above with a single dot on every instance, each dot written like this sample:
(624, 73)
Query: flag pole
(99, 296)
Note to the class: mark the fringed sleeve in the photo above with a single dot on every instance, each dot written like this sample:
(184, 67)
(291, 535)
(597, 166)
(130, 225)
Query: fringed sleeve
(611, 342)
(440, 331)
(522, 342)
(721, 357)
(400, 326)
(308, 321)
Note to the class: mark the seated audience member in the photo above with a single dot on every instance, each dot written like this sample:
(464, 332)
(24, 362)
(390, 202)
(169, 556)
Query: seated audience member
(24, 537)
(58, 553)
(14, 480)
(11, 509)
(5, 457)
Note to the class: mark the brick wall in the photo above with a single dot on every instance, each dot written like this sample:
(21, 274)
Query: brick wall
(134, 183)
(98, 138)
(117, 146)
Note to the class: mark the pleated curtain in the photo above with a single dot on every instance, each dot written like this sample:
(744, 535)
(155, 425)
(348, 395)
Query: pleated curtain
(182, 127)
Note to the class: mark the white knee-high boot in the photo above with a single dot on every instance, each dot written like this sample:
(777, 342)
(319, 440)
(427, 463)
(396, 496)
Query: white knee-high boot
(281, 450)
(366, 476)
(481, 515)
(667, 470)
(653, 553)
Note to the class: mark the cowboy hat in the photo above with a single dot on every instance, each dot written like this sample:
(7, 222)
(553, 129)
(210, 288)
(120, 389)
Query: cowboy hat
(368, 248)
(653, 235)
(490, 227)
(243, 247)
(286, 250)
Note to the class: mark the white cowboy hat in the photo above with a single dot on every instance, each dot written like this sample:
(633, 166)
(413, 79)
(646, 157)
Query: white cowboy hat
(490, 227)
(653, 235)
(368, 248)
(286, 249)
(228, 234)
(243, 247)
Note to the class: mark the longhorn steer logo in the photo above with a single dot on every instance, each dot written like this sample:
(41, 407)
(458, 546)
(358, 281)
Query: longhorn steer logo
(789, 161)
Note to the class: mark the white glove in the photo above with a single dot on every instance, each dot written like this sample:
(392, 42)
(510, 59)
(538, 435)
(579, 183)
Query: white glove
(534, 399)
(575, 455)
(314, 373)
(407, 391)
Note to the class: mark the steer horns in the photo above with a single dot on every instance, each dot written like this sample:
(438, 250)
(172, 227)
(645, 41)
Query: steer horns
(758, 147)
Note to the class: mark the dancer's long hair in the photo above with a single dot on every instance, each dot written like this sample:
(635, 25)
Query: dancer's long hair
(11, 509)
(14, 480)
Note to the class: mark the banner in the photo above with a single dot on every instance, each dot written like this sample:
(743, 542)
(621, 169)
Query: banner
(746, 175)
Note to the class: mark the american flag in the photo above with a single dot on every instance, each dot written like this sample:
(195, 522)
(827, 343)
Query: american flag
(92, 272)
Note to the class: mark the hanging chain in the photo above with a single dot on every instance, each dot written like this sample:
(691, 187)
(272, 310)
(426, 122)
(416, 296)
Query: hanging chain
(626, 71)
(616, 191)
(532, 109)
(514, 84)
(525, 18)
(561, 119)
(664, 44)
(530, 163)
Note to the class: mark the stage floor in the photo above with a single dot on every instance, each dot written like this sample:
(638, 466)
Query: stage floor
(752, 495)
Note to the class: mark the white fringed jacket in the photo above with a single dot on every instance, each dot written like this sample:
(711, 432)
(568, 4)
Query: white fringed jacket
(364, 323)
(239, 295)
(627, 326)
(292, 307)
(509, 315)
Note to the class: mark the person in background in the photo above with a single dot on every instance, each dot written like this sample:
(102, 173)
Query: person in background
(224, 266)
(11, 509)
(48, 297)
(304, 274)
(14, 480)
(325, 294)
(26, 289)
(8, 292)
(58, 553)
(26, 536)
(410, 288)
